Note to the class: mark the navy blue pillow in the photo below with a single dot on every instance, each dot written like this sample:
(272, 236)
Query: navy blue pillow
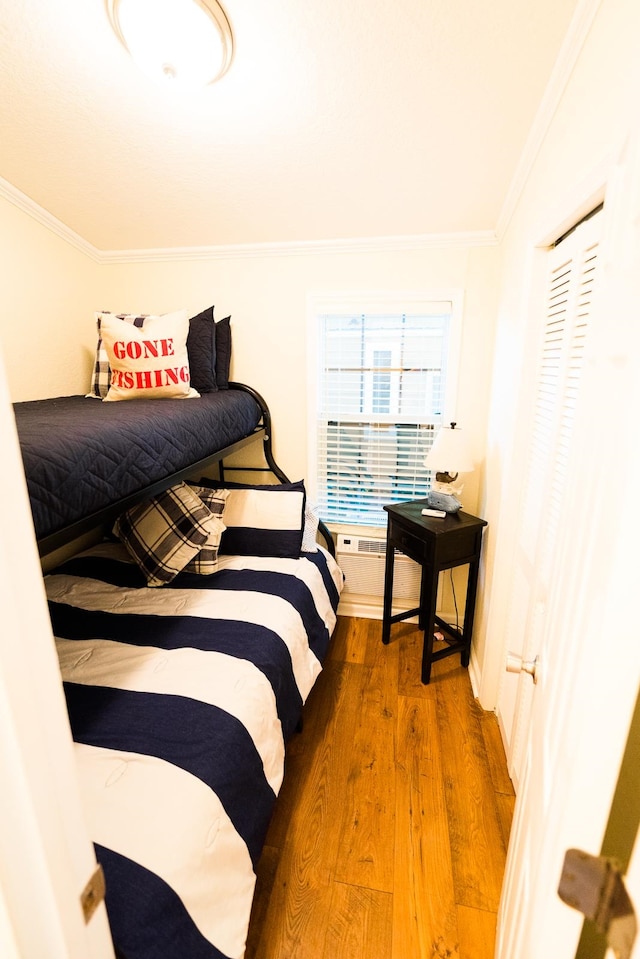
(262, 520)
(201, 347)
(223, 352)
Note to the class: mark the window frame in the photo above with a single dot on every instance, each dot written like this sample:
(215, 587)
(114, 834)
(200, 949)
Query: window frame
(372, 302)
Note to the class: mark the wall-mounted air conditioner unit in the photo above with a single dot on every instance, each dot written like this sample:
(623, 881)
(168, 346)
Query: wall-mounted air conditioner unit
(362, 559)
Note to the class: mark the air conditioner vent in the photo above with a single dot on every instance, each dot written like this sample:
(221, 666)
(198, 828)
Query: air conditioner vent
(371, 546)
(361, 544)
(362, 560)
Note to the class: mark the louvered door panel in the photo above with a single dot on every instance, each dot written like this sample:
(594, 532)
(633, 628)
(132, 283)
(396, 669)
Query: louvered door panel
(586, 247)
(572, 269)
(546, 399)
(583, 246)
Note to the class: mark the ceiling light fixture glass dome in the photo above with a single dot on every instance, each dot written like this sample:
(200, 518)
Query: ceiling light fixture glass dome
(185, 42)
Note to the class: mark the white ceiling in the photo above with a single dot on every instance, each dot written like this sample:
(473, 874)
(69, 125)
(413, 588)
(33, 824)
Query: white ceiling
(337, 119)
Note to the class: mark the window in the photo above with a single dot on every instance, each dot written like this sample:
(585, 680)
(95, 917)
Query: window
(383, 381)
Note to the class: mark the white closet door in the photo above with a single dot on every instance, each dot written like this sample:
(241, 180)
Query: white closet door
(564, 330)
(570, 282)
(582, 577)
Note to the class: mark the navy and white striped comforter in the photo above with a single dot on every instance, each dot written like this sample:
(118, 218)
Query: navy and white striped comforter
(180, 701)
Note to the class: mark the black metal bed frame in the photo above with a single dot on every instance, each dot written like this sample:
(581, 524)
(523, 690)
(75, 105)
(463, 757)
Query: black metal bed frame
(108, 514)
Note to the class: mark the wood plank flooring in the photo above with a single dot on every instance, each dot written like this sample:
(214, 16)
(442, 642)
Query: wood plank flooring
(389, 835)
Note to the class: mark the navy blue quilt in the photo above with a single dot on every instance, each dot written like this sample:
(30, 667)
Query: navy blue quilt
(81, 455)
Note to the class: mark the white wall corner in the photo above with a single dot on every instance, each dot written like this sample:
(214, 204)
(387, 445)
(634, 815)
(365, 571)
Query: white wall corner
(46, 219)
(566, 60)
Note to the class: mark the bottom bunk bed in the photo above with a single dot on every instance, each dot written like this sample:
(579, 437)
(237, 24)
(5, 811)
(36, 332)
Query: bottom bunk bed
(188, 645)
(181, 700)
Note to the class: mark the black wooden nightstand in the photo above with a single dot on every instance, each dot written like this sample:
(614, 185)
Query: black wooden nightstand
(436, 544)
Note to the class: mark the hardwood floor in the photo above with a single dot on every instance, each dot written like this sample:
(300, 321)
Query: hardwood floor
(390, 832)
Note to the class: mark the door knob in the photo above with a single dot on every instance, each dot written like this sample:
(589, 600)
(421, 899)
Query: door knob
(516, 664)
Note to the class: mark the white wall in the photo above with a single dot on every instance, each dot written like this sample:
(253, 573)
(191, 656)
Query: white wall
(595, 113)
(49, 292)
(266, 295)
(51, 289)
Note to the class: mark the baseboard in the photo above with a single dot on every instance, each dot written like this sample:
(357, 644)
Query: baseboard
(370, 607)
(366, 608)
(505, 742)
(473, 676)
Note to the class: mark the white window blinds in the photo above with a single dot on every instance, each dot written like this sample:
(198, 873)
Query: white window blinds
(381, 397)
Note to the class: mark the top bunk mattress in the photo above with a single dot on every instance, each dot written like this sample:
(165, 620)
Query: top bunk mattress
(81, 455)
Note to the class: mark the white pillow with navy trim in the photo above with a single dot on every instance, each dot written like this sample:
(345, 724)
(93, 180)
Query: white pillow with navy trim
(262, 520)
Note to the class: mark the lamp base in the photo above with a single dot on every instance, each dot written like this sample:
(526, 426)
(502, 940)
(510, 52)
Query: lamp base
(446, 501)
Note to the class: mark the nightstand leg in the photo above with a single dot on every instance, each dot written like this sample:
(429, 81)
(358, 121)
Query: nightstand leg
(388, 593)
(469, 611)
(428, 615)
(425, 580)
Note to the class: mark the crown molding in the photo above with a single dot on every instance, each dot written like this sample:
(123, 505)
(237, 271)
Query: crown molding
(376, 244)
(560, 76)
(46, 219)
(380, 244)
(583, 17)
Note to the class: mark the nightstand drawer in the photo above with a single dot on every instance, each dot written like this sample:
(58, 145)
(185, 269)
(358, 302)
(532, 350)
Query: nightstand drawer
(417, 549)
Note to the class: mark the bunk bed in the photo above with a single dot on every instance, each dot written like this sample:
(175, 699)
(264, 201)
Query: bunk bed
(182, 692)
(86, 462)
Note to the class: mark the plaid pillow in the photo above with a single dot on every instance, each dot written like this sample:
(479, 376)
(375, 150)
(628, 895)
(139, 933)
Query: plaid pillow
(101, 372)
(206, 562)
(166, 532)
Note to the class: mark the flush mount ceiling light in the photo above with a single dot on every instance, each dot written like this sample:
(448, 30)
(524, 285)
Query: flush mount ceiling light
(184, 42)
